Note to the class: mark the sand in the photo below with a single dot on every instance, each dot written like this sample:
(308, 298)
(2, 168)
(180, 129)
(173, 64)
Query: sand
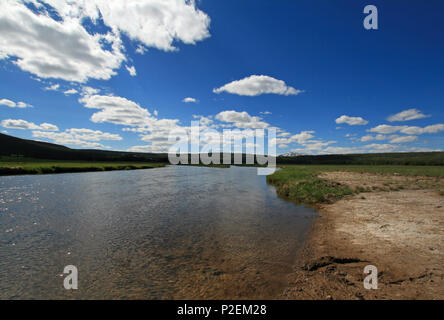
(397, 227)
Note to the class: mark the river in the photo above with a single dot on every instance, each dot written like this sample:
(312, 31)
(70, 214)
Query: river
(177, 232)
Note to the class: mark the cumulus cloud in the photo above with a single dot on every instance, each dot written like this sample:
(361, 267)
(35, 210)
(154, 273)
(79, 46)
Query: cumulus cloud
(241, 120)
(92, 135)
(154, 23)
(141, 49)
(116, 110)
(78, 137)
(435, 128)
(412, 130)
(381, 147)
(131, 70)
(379, 137)
(26, 125)
(122, 111)
(53, 87)
(256, 85)
(406, 115)
(8, 103)
(189, 100)
(88, 91)
(404, 139)
(62, 48)
(12, 104)
(55, 49)
(340, 150)
(352, 121)
(70, 91)
(386, 129)
(302, 138)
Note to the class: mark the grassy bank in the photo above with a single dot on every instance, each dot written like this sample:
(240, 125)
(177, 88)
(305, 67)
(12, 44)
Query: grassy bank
(14, 166)
(301, 184)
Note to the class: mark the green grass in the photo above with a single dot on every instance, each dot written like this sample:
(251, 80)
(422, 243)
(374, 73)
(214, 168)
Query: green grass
(38, 166)
(429, 171)
(300, 183)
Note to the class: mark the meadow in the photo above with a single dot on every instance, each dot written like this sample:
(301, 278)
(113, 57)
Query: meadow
(15, 166)
(302, 184)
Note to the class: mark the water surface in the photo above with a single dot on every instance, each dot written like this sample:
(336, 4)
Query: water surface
(176, 232)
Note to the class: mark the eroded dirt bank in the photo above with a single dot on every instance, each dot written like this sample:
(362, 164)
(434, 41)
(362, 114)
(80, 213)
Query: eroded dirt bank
(397, 225)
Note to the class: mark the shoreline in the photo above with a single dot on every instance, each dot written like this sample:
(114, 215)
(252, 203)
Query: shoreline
(400, 231)
(71, 167)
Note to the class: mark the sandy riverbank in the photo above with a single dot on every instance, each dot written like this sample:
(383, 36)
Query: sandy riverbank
(398, 227)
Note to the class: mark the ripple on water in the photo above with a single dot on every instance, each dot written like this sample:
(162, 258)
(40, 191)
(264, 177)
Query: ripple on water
(175, 232)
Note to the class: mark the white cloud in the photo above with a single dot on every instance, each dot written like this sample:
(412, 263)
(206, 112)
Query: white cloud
(369, 137)
(26, 125)
(141, 49)
(265, 112)
(12, 104)
(131, 70)
(393, 138)
(48, 127)
(122, 111)
(418, 130)
(381, 147)
(55, 49)
(150, 148)
(302, 138)
(116, 110)
(23, 105)
(406, 115)
(241, 120)
(256, 85)
(404, 139)
(78, 137)
(88, 91)
(386, 129)
(434, 128)
(64, 49)
(352, 121)
(189, 100)
(70, 91)
(411, 130)
(154, 23)
(317, 145)
(8, 103)
(205, 122)
(53, 87)
(92, 135)
(340, 150)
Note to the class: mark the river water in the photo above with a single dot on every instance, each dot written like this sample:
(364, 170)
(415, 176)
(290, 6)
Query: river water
(167, 233)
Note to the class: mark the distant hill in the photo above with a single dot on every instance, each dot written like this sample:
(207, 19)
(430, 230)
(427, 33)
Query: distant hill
(13, 146)
(401, 158)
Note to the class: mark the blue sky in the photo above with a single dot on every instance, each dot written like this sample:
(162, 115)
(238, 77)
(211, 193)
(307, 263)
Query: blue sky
(99, 74)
